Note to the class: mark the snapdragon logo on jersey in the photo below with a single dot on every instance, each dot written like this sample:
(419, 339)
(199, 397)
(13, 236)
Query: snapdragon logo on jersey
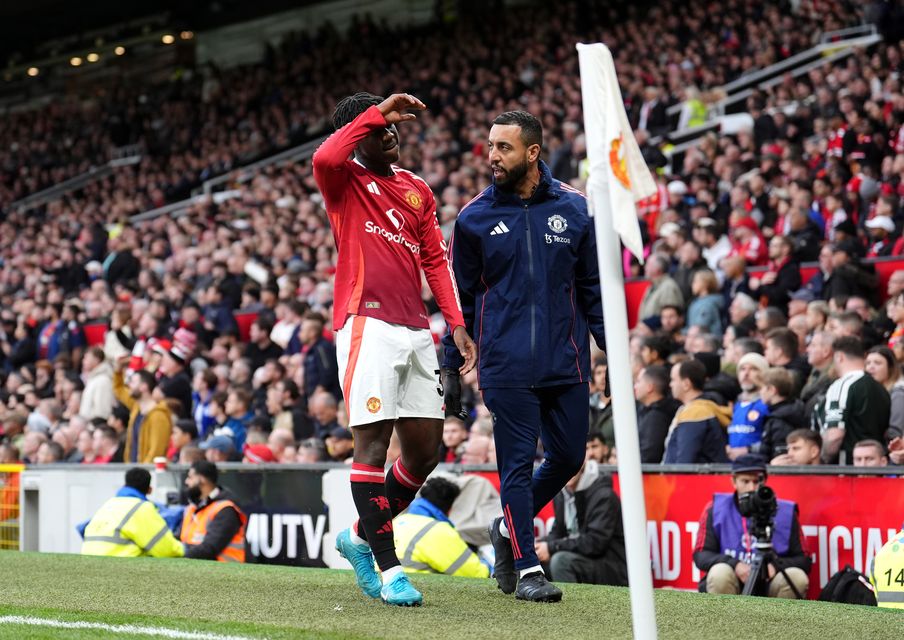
(398, 221)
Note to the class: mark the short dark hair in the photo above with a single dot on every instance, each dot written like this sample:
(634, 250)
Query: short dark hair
(353, 106)
(440, 492)
(658, 376)
(785, 339)
(147, 378)
(139, 479)
(107, 432)
(531, 129)
(206, 469)
(694, 371)
(850, 346)
(659, 343)
(187, 425)
(748, 345)
(809, 435)
(596, 434)
(871, 443)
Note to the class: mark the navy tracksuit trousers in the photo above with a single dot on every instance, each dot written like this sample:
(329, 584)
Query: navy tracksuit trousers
(560, 416)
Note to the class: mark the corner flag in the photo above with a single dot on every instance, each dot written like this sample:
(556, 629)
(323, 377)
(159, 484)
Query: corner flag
(611, 148)
(618, 176)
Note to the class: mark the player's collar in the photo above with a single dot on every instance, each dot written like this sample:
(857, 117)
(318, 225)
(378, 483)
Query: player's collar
(361, 164)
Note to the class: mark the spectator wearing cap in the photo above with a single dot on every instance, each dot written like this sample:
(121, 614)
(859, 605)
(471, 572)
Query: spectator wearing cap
(881, 231)
(150, 421)
(724, 550)
(175, 381)
(97, 396)
(747, 240)
(340, 444)
(663, 290)
(855, 408)
(258, 454)
(705, 309)
(697, 433)
(677, 190)
(716, 245)
(219, 449)
(782, 275)
(746, 429)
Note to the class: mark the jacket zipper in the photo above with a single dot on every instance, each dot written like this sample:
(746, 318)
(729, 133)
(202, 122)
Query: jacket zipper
(530, 272)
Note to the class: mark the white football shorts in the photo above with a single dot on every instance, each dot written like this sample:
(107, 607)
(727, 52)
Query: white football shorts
(387, 371)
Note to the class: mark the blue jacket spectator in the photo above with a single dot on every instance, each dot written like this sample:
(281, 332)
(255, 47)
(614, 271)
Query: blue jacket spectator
(697, 434)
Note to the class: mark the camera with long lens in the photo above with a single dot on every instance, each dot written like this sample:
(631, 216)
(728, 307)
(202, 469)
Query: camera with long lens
(759, 507)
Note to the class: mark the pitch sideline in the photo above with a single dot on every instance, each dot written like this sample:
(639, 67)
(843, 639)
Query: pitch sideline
(126, 629)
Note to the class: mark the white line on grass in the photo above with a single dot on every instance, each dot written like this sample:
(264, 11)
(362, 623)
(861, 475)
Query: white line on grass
(130, 629)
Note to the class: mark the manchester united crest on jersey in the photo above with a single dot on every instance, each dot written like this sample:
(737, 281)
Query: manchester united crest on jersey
(414, 199)
(557, 223)
(374, 404)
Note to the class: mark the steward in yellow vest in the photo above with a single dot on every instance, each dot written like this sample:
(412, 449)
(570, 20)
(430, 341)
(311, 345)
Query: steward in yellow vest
(128, 525)
(426, 539)
(213, 527)
(887, 574)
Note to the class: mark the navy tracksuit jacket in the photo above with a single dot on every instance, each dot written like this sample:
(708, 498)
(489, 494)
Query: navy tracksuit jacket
(528, 279)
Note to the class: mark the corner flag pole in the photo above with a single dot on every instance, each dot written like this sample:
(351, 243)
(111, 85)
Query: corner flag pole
(605, 139)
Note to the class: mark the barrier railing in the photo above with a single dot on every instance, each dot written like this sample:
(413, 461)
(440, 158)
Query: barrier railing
(10, 475)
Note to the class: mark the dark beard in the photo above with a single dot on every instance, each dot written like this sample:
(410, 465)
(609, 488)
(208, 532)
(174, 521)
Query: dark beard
(512, 177)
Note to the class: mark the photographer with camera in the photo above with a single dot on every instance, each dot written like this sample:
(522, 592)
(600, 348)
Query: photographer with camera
(750, 541)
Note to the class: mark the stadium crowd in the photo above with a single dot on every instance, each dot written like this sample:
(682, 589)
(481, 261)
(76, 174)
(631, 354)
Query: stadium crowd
(727, 361)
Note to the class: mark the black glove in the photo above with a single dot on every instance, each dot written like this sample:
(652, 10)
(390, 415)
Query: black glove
(451, 380)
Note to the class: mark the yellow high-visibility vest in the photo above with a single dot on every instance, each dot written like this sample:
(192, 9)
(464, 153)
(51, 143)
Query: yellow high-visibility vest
(887, 573)
(427, 545)
(128, 527)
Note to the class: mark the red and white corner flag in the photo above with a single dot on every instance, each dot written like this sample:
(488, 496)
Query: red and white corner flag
(619, 177)
(615, 159)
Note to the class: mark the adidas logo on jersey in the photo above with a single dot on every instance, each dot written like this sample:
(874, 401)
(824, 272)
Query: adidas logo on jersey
(372, 187)
(499, 229)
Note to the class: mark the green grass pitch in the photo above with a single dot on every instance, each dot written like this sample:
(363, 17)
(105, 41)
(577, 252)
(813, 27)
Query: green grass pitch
(254, 601)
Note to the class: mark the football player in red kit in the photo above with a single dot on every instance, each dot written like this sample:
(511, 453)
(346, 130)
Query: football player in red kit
(385, 227)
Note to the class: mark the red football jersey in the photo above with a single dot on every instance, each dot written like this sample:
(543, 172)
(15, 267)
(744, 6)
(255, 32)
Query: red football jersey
(386, 231)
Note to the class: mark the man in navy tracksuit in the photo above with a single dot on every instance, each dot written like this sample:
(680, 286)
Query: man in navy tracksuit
(524, 255)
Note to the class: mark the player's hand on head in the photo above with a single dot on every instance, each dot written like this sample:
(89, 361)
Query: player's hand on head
(394, 107)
